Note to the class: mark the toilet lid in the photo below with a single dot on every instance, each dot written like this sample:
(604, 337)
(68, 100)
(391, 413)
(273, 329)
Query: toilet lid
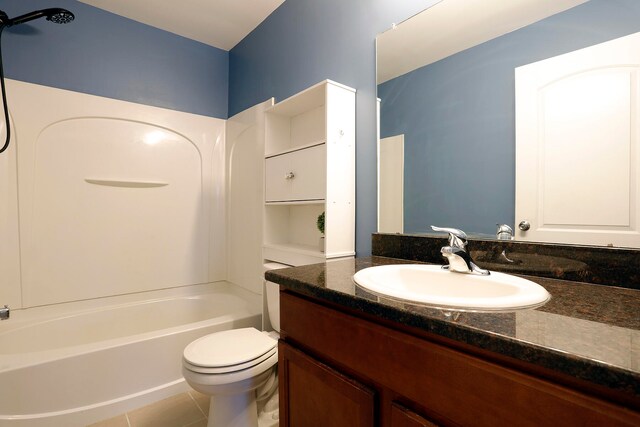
(228, 348)
(235, 368)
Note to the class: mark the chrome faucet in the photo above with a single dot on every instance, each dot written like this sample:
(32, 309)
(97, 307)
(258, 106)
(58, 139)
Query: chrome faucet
(4, 312)
(456, 253)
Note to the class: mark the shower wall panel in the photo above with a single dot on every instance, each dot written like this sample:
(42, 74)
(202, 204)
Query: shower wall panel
(245, 196)
(10, 292)
(114, 197)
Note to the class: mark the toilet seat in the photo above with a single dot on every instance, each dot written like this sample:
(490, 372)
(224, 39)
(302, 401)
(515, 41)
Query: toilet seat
(229, 369)
(229, 351)
(231, 380)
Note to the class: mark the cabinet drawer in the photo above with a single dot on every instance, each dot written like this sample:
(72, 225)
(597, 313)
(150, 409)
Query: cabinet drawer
(298, 175)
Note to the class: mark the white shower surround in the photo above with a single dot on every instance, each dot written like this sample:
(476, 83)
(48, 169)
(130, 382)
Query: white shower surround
(159, 221)
(120, 218)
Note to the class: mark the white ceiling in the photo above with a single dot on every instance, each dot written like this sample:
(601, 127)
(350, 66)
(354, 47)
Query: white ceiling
(219, 23)
(451, 26)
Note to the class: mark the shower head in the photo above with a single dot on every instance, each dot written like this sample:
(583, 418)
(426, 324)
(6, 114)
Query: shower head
(56, 15)
(59, 16)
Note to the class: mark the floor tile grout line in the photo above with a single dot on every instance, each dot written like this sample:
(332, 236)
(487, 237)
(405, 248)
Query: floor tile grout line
(199, 409)
(193, 423)
(126, 415)
(206, 416)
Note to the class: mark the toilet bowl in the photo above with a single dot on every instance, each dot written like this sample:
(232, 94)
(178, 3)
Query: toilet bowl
(229, 366)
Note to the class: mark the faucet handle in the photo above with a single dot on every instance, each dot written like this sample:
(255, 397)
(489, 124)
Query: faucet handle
(504, 232)
(457, 238)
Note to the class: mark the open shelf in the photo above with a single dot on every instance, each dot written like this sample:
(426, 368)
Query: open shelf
(289, 133)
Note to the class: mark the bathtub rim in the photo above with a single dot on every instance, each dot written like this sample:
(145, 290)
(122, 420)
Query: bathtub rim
(55, 310)
(13, 361)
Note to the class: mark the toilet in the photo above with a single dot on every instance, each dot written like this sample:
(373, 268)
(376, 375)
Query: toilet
(234, 366)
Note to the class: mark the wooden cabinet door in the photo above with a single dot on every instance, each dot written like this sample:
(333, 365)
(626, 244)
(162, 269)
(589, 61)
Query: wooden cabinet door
(404, 417)
(315, 395)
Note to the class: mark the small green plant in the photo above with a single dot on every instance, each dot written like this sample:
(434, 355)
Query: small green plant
(320, 223)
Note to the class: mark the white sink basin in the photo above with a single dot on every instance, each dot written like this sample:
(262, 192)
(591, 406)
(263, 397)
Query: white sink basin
(433, 286)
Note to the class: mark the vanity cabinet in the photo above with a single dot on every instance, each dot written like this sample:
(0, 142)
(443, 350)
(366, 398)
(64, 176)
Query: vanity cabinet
(366, 373)
(310, 169)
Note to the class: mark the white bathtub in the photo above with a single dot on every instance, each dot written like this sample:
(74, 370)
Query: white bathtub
(77, 363)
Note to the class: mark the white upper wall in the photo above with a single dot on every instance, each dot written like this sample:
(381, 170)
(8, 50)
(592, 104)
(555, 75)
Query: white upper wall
(218, 23)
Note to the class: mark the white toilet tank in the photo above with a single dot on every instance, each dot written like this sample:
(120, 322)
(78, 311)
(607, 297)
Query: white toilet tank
(273, 296)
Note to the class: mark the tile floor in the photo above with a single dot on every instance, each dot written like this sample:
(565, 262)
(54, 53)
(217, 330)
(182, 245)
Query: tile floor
(188, 409)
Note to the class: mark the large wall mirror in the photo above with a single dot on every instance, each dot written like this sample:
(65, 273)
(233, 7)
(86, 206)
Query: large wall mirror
(460, 89)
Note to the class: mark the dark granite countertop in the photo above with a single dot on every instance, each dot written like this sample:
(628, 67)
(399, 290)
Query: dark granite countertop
(587, 331)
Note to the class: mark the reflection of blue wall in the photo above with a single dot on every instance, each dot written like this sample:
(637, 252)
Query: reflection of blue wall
(458, 117)
(107, 55)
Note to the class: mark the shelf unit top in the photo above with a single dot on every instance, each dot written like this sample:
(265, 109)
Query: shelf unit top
(306, 100)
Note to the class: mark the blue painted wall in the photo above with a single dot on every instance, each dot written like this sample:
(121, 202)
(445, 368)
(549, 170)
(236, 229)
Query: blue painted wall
(458, 117)
(107, 55)
(306, 41)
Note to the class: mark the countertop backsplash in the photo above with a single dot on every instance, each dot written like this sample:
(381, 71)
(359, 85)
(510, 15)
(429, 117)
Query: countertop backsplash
(590, 264)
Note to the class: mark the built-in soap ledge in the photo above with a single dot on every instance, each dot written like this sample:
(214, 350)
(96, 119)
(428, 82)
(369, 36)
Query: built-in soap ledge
(125, 183)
